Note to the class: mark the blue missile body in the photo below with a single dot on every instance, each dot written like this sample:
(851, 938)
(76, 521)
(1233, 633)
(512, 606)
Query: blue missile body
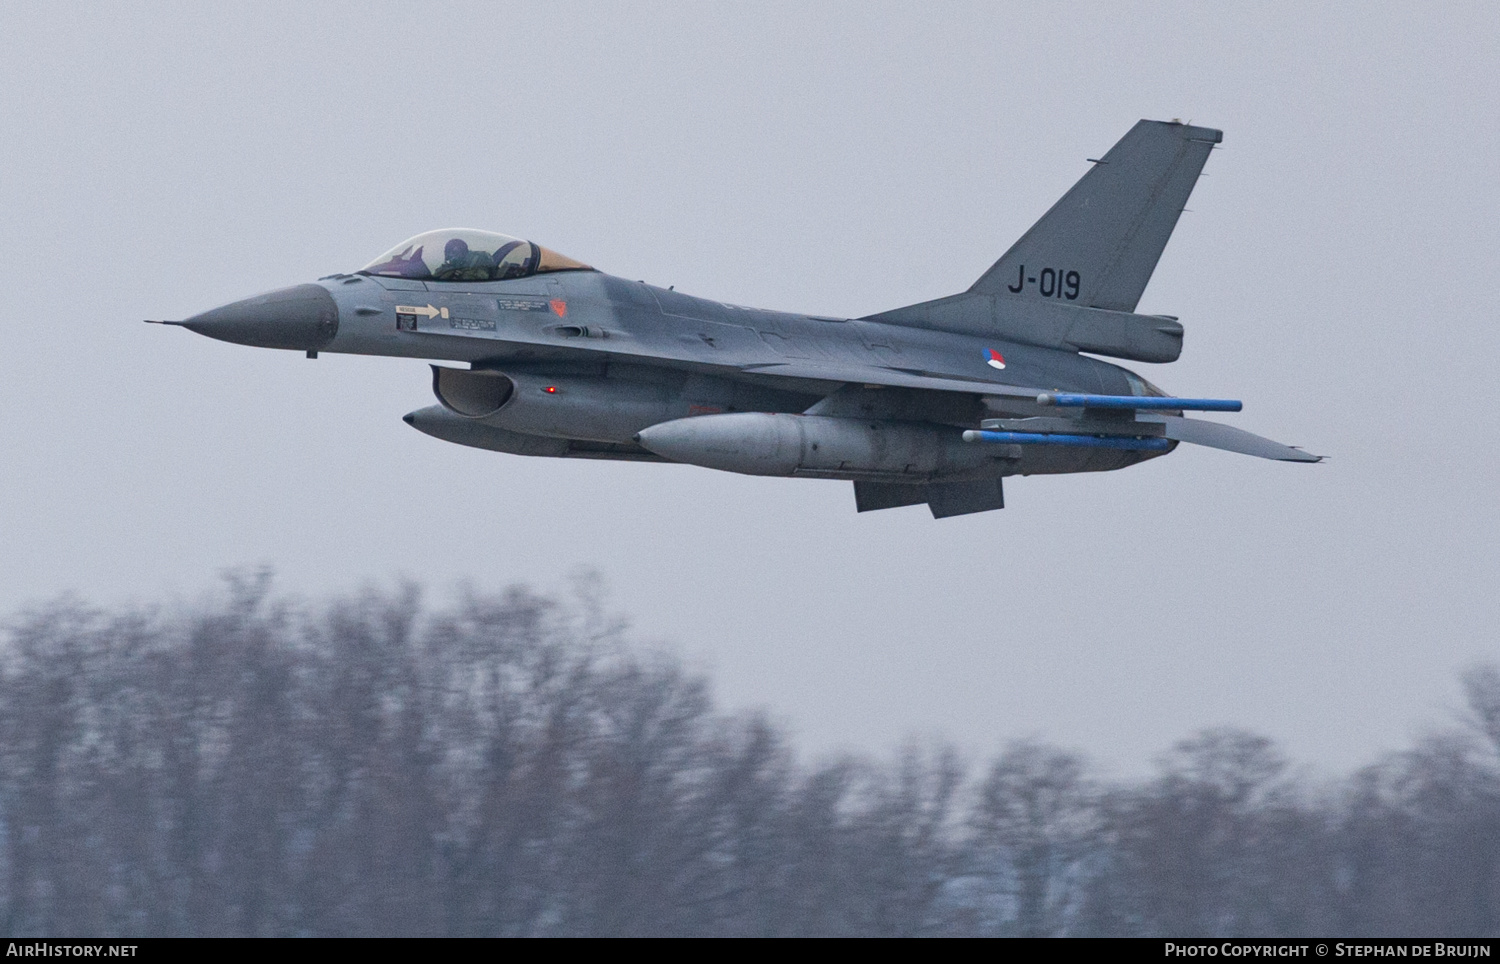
(1141, 402)
(1077, 441)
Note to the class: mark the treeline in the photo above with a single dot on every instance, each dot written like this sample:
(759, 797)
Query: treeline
(509, 766)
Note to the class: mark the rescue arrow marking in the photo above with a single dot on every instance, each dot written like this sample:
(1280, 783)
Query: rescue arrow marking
(427, 310)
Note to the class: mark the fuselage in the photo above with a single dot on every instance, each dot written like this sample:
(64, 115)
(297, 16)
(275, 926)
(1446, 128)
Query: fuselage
(593, 317)
(592, 360)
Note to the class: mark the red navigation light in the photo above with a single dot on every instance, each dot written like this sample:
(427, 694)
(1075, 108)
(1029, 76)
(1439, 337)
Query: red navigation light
(550, 389)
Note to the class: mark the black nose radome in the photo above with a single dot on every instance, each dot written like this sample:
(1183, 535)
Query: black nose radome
(303, 318)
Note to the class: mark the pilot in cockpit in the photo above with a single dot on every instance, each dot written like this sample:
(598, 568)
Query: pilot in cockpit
(462, 264)
(468, 255)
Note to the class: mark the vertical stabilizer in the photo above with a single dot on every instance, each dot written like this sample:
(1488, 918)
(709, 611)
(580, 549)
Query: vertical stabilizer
(1098, 245)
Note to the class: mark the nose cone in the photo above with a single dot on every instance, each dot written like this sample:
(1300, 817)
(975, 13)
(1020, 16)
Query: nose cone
(303, 318)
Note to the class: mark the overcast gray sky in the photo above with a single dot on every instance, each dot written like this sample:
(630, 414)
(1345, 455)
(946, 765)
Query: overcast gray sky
(1337, 271)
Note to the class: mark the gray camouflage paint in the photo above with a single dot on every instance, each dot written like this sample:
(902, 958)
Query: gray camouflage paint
(582, 364)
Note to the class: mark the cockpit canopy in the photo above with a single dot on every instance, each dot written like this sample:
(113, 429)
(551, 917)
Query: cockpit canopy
(464, 254)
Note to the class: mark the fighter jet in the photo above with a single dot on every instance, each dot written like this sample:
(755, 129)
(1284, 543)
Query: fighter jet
(935, 403)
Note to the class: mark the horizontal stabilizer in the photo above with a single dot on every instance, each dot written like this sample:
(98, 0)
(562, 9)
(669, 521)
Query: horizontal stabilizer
(1230, 439)
(1141, 402)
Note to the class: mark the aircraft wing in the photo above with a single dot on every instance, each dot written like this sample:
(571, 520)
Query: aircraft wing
(890, 377)
(1192, 430)
(1227, 437)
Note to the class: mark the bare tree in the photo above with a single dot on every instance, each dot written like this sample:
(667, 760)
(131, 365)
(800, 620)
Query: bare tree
(1209, 847)
(508, 765)
(1037, 834)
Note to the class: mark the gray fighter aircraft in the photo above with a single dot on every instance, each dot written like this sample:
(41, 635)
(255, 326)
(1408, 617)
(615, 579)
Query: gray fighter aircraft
(930, 404)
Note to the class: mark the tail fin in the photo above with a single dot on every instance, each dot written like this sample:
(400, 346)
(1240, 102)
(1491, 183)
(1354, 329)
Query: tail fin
(1098, 246)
